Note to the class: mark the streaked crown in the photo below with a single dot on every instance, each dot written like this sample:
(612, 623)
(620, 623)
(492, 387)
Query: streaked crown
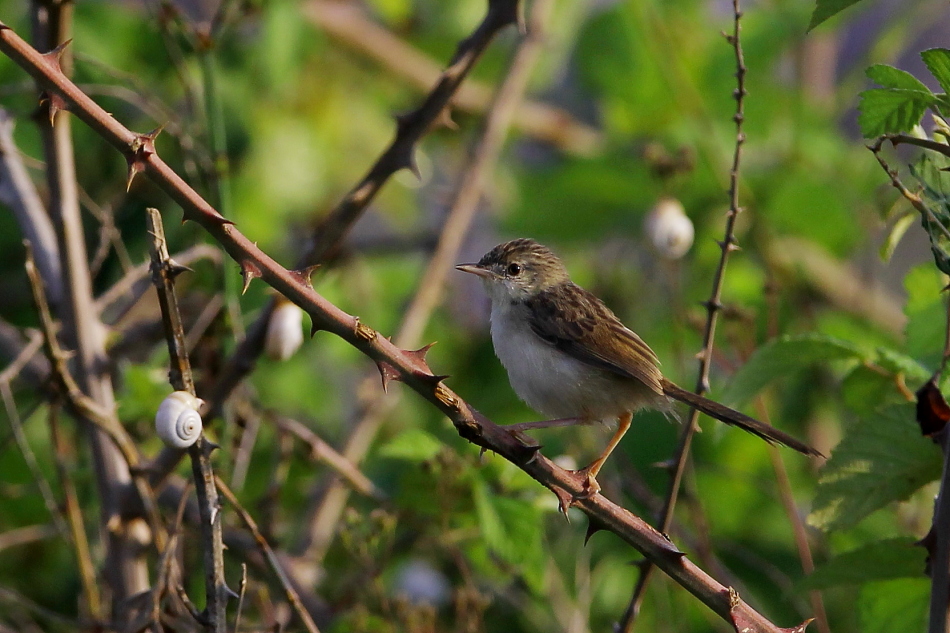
(525, 266)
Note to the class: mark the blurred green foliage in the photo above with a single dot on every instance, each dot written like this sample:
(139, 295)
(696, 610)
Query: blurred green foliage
(305, 116)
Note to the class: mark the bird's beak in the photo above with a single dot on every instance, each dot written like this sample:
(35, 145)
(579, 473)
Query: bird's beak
(475, 269)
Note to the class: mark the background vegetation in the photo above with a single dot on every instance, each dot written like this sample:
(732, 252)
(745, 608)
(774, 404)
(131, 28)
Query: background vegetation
(832, 314)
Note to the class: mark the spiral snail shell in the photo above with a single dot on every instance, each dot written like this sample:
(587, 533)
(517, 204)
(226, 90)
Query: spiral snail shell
(177, 421)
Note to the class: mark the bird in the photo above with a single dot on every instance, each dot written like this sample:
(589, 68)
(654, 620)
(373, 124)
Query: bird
(569, 357)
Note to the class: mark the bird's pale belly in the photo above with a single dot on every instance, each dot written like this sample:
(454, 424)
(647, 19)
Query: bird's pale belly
(560, 386)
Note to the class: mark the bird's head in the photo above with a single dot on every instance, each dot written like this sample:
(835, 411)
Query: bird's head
(518, 270)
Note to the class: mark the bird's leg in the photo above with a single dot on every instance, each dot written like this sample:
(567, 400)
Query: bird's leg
(545, 424)
(591, 487)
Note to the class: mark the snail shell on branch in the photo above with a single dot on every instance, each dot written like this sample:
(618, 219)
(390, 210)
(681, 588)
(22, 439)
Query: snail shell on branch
(669, 229)
(284, 331)
(177, 421)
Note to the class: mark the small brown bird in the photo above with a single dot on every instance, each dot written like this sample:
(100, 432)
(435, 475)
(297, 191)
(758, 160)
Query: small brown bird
(569, 357)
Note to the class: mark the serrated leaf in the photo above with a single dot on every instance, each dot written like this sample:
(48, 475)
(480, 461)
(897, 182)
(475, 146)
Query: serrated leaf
(938, 63)
(880, 560)
(895, 605)
(414, 445)
(892, 110)
(890, 77)
(824, 9)
(782, 356)
(882, 458)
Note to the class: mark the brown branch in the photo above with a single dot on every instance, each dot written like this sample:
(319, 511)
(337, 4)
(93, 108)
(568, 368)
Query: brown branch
(164, 271)
(713, 306)
(331, 230)
(271, 558)
(77, 530)
(323, 452)
(400, 364)
(482, 158)
(19, 193)
(348, 23)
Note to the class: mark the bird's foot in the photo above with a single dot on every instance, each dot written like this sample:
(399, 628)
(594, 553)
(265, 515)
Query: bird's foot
(591, 488)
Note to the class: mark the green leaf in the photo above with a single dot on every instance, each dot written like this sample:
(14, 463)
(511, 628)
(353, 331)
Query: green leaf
(892, 110)
(414, 445)
(780, 357)
(938, 63)
(896, 605)
(890, 77)
(824, 9)
(881, 560)
(882, 458)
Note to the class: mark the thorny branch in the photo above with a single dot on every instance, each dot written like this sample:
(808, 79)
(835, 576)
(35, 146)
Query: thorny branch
(408, 367)
(164, 270)
(328, 235)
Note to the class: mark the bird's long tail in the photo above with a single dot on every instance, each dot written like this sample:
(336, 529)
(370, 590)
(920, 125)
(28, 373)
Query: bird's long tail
(730, 416)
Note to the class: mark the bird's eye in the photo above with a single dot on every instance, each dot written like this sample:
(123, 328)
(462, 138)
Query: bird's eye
(514, 270)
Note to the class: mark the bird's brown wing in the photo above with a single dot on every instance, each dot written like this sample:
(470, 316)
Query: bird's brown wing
(578, 323)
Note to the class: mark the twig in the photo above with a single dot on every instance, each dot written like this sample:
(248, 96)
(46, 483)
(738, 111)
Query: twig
(348, 23)
(18, 192)
(73, 513)
(271, 557)
(408, 367)
(164, 271)
(713, 306)
(482, 158)
(27, 534)
(87, 409)
(323, 452)
(16, 425)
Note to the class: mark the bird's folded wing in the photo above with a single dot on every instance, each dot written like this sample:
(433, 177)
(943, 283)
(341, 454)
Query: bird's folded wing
(579, 324)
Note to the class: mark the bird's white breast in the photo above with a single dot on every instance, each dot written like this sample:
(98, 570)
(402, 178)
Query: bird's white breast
(552, 382)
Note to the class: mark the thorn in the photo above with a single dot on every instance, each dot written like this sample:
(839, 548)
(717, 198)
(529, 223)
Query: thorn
(54, 57)
(435, 379)
(214, 514)
(387, 372)
(668, 465)
(174, 268)
(54, 103)
(419, 355)
(528, 452)
(231, 592)
(210, 446)
(303, 275)
(314, 328)
(249, 271)
(592, 528)
(134, 168)
(564, 502)
(445, 119)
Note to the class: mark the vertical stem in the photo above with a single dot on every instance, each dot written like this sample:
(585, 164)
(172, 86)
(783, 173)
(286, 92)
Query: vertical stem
(713, 307)
(125, 566)
(163, 273)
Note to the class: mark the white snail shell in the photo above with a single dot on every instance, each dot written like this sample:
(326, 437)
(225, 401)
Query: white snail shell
(284, 331)
(669, 229)
(177, 421)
